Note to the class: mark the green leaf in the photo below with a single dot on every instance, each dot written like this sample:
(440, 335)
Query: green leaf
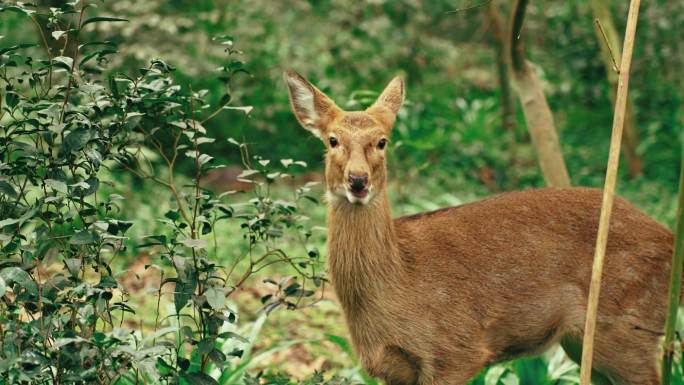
(57, 185)
(8, 222)
(247, 173)
(245, 109)
(93, 185)
(7, 189)
(98, 19)
(15, 47)
(510, 379)
(18, 276)
(229, 335)
(163, 367)
(195, 243)
(494, 374)
(94, 156)
(203, 140)
(225, 99)
(183, 292)
(17, 9)
(199, 379)
(341, 342)
(12, 99)
(91, 43)
(73, 265)
(83, 237)
(204, 158)
(76, 140)
(206, 345)
(63, 62)
(3, 287)
(216, 297)
(217, 357)
(58, 34)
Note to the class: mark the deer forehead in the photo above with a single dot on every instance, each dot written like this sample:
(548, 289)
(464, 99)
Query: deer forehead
(358, 120)
(357, 126)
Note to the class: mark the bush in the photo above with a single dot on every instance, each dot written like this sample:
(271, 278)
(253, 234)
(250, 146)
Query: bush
(69, 129)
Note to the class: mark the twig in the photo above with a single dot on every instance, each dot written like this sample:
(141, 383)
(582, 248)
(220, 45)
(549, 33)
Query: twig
(73, 64)
(47, 49)
(468, 8)
(213, 114)
(608, 194)
(605, 41)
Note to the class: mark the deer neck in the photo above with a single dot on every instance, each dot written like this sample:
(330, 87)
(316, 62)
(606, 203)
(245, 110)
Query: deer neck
(363, 256)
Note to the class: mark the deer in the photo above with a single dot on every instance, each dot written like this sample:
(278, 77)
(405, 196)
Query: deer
(433, 298)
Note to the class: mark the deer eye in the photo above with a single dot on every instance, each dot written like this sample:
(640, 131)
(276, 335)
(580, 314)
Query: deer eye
(382, 143)
(333, 142)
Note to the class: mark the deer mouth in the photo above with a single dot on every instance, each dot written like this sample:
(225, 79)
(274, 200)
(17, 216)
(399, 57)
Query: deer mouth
(358, 196)
(360, 193)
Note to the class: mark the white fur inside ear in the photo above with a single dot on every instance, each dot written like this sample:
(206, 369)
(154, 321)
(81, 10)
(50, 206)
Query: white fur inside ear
(303, 101)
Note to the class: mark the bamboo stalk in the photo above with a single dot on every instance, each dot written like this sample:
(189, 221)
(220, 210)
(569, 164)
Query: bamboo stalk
(608, 193)
(675, 281)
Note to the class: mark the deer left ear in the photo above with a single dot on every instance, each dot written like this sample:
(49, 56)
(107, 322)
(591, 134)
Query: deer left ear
(312, 108)
(389, 102)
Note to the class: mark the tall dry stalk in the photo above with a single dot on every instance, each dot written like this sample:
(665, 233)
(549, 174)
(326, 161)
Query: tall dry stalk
(608, 193)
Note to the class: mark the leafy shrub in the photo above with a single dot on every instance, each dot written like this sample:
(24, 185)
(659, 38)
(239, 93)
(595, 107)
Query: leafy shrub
(68, 127)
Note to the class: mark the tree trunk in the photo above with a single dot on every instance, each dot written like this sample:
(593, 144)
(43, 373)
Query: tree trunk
(601, 11)
(503, 67)
(537, 113)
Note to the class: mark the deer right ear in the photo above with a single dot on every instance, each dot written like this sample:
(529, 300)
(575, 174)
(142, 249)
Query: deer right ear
(389, 102)
(312, 108)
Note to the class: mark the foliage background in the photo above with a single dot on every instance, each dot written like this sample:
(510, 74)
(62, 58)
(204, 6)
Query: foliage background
(448, 147)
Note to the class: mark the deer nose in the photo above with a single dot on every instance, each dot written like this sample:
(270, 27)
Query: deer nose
(358, 182)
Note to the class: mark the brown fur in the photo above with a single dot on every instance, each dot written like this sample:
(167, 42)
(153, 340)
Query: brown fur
(432, 298)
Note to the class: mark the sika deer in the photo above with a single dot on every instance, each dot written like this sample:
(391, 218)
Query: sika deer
(434, 297)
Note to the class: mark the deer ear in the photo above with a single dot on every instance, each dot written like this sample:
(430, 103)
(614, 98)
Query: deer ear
(389, 102)
(312, 108)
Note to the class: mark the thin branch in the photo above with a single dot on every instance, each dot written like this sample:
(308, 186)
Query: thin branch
(605, 41)
(70, 76)
(47, 50)
(468, 8)
(216, 112)
(608, 194)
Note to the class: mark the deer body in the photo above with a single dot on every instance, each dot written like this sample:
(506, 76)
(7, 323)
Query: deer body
(433, 298)
(440, 295)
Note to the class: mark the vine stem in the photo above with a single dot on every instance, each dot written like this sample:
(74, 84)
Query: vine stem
(73, 63)
(675, 282)
(608, 194)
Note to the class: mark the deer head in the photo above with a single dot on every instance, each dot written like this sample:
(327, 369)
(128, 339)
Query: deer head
(356, 141)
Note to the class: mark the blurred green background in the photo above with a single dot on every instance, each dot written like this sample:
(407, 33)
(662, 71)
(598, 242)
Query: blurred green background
(449, 145)
(451, 129)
